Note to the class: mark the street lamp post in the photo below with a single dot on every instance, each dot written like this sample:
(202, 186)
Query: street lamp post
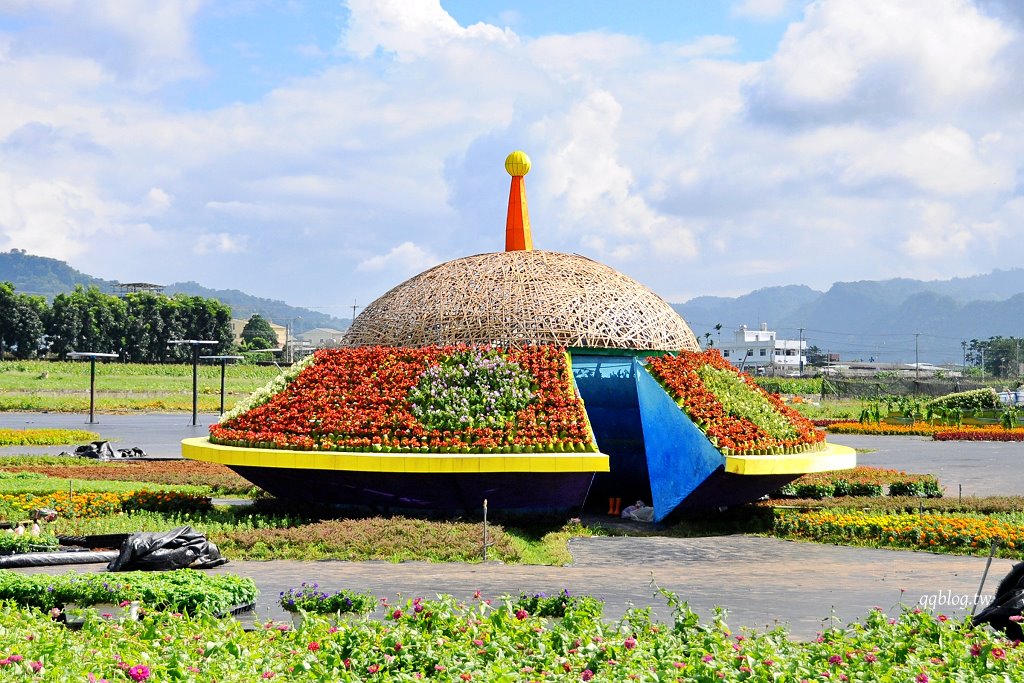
(92, 356)
(196, 344)
(223, 366)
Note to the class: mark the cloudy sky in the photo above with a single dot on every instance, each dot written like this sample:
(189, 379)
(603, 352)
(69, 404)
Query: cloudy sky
(321, 152)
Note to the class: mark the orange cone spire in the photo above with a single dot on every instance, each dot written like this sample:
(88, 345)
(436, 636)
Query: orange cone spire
(517, 226)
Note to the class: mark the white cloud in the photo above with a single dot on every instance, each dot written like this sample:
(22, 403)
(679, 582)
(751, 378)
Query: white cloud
(220, 243)
(411, 28)
(762, 10)
(145, 42)
(849, 58)
(407, 258)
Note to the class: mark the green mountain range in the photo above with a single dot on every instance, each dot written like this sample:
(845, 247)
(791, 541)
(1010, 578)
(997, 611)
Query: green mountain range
(48, 277)
(875, 318)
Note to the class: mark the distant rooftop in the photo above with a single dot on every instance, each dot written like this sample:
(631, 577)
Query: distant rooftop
(131, 287)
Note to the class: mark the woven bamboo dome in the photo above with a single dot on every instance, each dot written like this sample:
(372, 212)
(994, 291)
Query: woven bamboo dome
(513, 298)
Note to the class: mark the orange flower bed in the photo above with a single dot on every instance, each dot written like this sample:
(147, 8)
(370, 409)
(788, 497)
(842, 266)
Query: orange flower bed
(100, 504)
(937, 432)
(910, 530)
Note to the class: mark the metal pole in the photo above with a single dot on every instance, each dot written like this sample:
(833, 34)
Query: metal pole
(485, 529)
(800, 351)
(195, 382)
(223, 366)
(991, 552)
(92, 390)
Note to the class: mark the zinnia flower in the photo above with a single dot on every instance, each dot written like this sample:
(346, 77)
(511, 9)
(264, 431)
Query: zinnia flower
(139, 672)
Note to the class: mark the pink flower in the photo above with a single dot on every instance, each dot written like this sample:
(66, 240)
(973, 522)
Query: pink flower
(396, 615)
(373, 668)
(975, 650)
(707, 658)
(922, 678)
(586, 675)
(37, 666)
(835, 659)
(943, 617)
(629, 643)
(268, 674)
(870, 658)
(313, 646)
(398, 647)
(521, 614)
(997, 653)
(1017, 617)
(139, 672)
(478, 642)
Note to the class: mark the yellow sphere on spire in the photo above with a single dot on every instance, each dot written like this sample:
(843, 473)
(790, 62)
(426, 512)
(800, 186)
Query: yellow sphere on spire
(517, 163)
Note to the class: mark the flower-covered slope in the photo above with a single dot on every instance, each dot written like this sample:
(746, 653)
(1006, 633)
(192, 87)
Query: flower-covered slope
(737, 416)
(454, 399)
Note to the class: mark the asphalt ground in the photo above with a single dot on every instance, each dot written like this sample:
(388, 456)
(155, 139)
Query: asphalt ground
(761, 582)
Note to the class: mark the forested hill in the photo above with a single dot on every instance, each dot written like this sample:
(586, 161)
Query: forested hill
(49, 277)
(45, 276)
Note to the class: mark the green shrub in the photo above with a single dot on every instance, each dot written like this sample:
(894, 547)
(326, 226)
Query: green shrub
(817, 491)
(922, 487)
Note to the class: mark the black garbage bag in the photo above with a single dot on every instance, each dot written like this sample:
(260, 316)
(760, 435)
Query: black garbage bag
(177, 549)
(96, 449)
(1008, 602)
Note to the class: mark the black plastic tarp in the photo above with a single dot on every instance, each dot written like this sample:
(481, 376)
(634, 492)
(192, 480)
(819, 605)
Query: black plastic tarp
(176, 549)
(1008, 602)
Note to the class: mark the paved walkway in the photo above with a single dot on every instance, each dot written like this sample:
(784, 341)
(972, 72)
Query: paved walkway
(760, 581)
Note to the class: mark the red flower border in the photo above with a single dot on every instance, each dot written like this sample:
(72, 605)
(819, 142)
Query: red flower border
(356, 399)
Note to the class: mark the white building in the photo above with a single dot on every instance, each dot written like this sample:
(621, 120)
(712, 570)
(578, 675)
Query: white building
(761, 352)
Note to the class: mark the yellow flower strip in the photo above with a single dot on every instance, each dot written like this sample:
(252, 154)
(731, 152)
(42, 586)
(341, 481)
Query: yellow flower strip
(907, 530)
(99, 504)
(916, 429)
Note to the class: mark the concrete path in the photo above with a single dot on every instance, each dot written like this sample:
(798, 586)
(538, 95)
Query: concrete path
(982, 468)
(762, 582)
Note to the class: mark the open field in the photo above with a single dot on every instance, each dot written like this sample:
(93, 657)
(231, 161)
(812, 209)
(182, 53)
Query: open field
(123, 387)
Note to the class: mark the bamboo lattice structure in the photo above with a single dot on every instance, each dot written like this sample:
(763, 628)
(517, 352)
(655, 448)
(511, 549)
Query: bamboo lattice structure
(514, 298)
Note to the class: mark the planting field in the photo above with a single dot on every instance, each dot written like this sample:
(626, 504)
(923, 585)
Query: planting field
(123, 387)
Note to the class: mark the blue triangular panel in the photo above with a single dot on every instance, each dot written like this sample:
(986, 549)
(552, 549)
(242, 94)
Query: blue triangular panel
(679, 456)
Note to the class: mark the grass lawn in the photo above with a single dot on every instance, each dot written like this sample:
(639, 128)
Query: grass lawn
(123, 387)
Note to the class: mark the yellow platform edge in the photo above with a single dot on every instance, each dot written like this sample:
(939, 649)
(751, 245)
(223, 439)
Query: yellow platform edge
(200, 448)
(834, 457)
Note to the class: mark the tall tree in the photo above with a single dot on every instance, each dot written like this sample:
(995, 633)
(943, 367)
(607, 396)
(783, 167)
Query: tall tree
(258, 334)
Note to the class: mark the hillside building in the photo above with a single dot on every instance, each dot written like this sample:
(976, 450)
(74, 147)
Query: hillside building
(761, 352)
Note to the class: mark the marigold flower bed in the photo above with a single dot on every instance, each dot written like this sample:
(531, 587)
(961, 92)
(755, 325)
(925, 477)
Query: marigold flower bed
(99, 504)
(959, 534)
(754, 423)
(358, 399)
(937, 432)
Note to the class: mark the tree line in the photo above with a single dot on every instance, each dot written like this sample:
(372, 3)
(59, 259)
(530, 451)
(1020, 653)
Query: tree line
(138, 326)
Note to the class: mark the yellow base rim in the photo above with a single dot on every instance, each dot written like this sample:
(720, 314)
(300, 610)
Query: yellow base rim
(834, 457)
(200, 448)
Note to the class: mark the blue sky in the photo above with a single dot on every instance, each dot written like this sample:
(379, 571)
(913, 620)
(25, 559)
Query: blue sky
(322, 152)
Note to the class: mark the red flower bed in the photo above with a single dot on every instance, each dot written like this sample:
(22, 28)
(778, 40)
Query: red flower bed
(732, 434)
(979, 434)
(357, 399)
